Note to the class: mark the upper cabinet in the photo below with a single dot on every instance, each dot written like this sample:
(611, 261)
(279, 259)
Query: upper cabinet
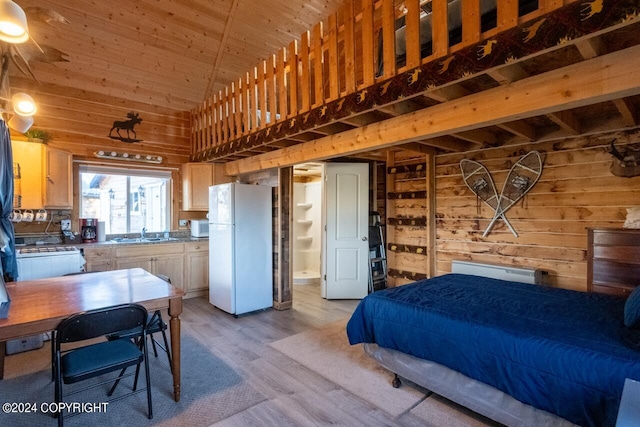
(196, 180)
(45, 179)
(58, 179)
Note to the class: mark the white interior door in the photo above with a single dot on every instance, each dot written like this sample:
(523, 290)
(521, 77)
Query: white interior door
(347, 221)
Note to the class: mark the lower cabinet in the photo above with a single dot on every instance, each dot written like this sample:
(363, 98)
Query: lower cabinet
(98, 259)
(167, 259)
(197, 257)
(186, 264)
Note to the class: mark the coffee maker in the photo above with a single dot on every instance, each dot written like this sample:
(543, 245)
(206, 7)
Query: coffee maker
(89, 230)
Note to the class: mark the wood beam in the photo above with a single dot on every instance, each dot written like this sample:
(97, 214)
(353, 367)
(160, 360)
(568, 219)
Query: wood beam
(401, 108)
(520, 128)
(478, 137)
(600, 79)
(418, 148)
(567, 121)
(589, 48)
(627, 111)
(509, 74)
(221, 49)
(447, 93)
(449, 143)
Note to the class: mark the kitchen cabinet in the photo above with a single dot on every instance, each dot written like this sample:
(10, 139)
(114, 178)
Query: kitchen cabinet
(166, 258)
(98, 258)
(196, 180)
(57, 179)
(186, 264)
(197, 263)
(45, 176)
(29, 156)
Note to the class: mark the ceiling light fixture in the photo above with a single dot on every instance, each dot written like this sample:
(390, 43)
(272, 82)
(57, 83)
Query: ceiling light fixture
(13, 23)
(23, 104)
(20, 123)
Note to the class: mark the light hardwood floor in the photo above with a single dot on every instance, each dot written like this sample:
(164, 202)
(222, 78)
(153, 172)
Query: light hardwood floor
(292, 392)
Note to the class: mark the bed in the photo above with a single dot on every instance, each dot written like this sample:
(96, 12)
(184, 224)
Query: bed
(550, 356)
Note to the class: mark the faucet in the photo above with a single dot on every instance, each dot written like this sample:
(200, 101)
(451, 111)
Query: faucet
(142, 232)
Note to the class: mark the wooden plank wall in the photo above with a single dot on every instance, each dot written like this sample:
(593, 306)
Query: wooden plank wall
(406, 217)
(80, 121)
(576, 190)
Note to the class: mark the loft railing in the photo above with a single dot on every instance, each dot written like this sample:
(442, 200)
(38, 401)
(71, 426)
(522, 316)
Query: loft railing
(348, 53)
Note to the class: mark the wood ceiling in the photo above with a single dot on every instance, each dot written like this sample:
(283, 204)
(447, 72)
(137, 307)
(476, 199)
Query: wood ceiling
(172, 53)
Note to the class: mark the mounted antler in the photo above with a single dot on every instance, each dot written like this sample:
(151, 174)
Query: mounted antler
(625, 164)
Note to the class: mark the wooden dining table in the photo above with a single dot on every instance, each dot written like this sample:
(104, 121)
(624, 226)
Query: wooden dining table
(38, 306)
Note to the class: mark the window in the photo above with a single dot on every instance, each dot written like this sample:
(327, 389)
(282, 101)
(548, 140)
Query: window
(126, 200)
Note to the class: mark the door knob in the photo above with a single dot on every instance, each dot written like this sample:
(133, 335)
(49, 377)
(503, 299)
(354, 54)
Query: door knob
(364, 239)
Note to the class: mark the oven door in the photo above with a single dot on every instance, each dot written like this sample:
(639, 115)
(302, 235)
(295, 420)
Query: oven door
(50, 265)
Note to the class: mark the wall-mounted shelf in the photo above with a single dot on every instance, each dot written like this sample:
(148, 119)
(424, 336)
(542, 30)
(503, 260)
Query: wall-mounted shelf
(304, 238)
(305, 221)
(304, 205)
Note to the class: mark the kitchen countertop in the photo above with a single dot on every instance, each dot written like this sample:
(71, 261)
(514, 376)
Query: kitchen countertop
(111, 243)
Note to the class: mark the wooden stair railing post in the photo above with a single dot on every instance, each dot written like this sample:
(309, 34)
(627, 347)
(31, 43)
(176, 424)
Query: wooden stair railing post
(271, 90)
(412, 33)
(281, 86)
(349, 49)
(316, 50)
(440, 29)
(305, 73)
(507, 14)
(388, 39)
(470, 22)
(262, 96)
(253, 99)
(292, 81)
(368, 54)
(224, 115)
(332, 48)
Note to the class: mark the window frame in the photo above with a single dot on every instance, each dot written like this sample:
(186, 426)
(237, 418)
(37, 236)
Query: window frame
(129, 172)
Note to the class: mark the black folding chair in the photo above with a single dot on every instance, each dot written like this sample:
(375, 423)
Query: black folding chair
(155, 324)
(96, 359)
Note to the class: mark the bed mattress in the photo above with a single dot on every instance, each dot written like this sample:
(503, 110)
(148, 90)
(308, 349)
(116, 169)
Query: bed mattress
(557, 350)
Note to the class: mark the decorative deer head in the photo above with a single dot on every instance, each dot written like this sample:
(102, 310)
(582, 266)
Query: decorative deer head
(625, 164)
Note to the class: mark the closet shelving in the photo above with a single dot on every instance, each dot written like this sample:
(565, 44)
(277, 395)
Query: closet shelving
(304, 222)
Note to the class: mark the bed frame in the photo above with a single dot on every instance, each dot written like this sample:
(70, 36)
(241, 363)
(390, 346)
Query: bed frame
(465, 391)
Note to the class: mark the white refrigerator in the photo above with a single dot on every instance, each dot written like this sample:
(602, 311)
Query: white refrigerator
(240, 247)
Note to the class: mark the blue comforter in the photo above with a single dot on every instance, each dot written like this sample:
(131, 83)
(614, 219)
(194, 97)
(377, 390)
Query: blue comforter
(554, 349)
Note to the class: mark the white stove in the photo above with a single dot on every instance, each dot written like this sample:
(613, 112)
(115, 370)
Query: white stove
(46, 251)
(41, 262)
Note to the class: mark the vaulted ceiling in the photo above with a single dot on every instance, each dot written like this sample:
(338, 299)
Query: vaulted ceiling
(172, 53)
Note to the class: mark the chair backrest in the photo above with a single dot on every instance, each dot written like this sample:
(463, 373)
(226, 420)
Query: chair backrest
(100, 322)
(164, 277)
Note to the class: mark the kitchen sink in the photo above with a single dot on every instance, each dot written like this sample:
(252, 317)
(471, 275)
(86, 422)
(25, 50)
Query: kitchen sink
(142, 240)
(125, 240)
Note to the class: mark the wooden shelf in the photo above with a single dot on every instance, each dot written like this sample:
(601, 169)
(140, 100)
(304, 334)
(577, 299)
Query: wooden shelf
(305, 221)
(304, 238)
(304, 205)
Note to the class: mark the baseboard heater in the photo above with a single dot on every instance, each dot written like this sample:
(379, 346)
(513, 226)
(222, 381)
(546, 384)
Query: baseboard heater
(532, 276)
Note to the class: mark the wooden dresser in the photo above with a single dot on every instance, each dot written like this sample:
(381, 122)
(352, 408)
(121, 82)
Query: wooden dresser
(613, 260)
